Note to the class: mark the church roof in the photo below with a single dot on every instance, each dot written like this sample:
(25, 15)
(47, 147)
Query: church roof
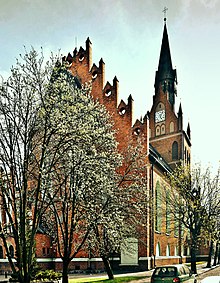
(156, 158)
(165, 68)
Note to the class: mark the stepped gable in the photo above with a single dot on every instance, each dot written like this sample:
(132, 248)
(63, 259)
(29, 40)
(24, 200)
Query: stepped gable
(85, 71)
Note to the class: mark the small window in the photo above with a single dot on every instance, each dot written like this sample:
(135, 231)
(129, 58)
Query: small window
(81, 57)
(137, 131)
(163, 130)
(94, 75)
(160, 106)
(122, 111)
(108, 92)
(157, 130)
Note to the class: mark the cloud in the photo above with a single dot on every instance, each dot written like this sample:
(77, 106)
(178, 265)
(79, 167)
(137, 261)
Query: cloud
(209, 3)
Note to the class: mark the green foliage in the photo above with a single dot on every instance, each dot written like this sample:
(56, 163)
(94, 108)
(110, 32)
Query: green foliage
(48, 275)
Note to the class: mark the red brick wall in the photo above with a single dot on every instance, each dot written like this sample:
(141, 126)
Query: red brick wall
(44, 246)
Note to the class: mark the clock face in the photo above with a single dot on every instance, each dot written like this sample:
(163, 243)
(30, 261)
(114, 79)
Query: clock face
(159, 116)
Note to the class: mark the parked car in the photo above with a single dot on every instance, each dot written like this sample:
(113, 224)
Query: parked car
(173, 274)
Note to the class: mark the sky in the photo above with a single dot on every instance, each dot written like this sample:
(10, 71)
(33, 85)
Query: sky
(127, 34)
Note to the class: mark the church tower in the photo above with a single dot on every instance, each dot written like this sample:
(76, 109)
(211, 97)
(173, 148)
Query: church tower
(166, 126)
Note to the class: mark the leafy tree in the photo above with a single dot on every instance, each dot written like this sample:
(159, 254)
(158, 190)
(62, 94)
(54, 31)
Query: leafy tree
(96, 202)
(124, 209)
(192, 200)
(29, 144)
(211, 202)
(86, 170)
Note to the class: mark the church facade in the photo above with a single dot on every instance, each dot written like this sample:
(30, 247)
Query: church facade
(166, 143)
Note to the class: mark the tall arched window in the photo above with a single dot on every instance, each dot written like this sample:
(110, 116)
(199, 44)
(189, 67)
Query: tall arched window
(158, 253)
(168, 213)
(176, 250)
(175, 151)
(171, 127)
(168, 250)
(158, 208)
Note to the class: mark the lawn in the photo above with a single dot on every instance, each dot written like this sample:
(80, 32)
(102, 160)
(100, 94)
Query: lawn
(105, 280)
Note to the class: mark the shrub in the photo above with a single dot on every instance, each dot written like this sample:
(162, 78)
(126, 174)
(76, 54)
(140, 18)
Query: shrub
(48, 275)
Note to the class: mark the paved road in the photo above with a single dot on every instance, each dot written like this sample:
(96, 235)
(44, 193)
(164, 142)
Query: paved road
(202, 271)
(211, 272)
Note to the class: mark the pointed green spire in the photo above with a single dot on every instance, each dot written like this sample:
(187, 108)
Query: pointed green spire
(166, 75)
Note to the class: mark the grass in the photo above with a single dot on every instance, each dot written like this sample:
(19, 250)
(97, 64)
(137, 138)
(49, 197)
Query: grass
(105, 280)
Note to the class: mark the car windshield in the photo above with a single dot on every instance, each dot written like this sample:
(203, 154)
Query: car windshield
(169, 271)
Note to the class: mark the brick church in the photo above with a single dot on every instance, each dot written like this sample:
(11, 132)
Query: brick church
(166, 143)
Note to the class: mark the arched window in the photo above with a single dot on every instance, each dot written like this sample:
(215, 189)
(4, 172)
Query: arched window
(160, 106)
(1, 252)
(158, 219)
(168, 250)
(168, 213)
(163, 129)
(157, 130)
(171, 127)
(176, 250)
(175, 151)
(158, 253)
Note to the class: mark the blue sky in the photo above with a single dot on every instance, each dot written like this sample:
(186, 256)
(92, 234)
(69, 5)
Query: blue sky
(127, 34)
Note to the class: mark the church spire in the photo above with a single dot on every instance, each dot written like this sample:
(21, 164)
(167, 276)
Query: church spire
(166, 75)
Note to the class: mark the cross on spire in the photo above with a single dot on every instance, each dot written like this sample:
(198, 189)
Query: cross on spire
(165, 13)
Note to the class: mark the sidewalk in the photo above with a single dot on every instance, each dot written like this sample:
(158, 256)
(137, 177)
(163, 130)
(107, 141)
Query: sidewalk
(201, 268)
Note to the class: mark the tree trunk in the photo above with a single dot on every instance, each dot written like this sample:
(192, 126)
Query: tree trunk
(210, 255)
(216, 254)
(108, 267)
(219, 256)
(65, 272)
(193, 258)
